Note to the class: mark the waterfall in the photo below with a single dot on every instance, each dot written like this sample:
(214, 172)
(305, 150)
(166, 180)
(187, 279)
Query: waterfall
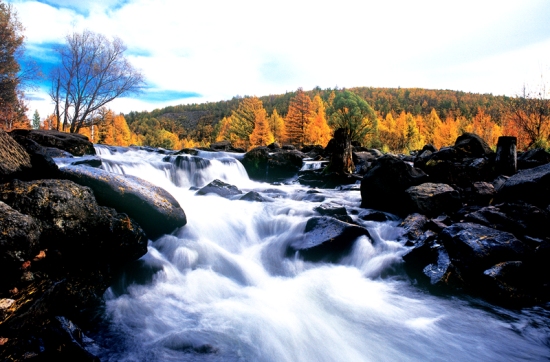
(222, 287)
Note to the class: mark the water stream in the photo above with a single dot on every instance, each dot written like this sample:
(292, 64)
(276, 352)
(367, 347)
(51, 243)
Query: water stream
(222, 288)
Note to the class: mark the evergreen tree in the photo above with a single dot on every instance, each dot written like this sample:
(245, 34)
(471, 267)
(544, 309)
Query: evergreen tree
(261, 135)
(36, 120)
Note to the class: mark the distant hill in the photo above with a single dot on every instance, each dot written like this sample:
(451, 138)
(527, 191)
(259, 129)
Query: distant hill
(383, 100)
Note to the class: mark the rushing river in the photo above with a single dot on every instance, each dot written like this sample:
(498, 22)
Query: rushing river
(222, 288)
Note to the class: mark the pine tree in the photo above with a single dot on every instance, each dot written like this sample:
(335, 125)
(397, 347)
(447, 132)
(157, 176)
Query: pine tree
(36, 120)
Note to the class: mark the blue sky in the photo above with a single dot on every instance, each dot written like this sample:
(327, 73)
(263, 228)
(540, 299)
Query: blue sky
(200, 51)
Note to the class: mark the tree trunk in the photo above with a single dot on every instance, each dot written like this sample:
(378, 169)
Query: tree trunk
(339, 148)
(506, 159)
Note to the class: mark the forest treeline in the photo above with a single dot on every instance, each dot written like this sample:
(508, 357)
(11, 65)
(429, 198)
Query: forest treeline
(391, 119)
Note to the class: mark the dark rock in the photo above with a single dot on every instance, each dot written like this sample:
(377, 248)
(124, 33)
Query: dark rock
(481, 193)
(414, 226)
(520, 219)
(288, 147)
(92, 161)
(533, 158)
(429, 148)
(326, 239)
(472, 146)
(335, 211)
(185, 151)
(531, 186)
(423, 252)
(506, 162)
(43, 166)
(473, 248)
(274, 146)
(340, 152)
(264, 165)
(14, 160)
(442, 272)
(152, 207)
(374, 215)
(326, 180)
(219, 188)
(253, 196)
(76, 144)
(19, 242)
(384, 185)
(433, 199)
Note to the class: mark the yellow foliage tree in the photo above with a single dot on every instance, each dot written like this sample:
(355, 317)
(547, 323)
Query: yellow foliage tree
(447, 133)
(317, 130)
(300, 111)
(431, 124)
(261, 135)
(278, 127)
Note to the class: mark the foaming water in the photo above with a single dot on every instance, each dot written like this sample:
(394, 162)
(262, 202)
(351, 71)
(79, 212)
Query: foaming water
(222, 288)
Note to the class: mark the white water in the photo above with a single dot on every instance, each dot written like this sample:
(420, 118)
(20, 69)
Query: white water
(225, 291)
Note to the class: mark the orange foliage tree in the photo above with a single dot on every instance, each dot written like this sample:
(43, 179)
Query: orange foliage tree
(317, 130)
(300, 111)
(261, 135)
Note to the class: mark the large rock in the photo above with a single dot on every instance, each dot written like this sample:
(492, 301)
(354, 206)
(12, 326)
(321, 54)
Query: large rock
(474, 248)
(63, 251)
(264, 164)
(433, 199)
(472, 146)
(326, 239)
(75, 144)
(531, 186)
(14, 160)
(152, 207)
(533, 158)
(384, 185)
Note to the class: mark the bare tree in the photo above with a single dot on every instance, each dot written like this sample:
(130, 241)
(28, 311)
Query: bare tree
(92, 73)
(530, 112)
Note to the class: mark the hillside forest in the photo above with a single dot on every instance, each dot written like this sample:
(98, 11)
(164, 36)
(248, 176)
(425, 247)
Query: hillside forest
(396, 120)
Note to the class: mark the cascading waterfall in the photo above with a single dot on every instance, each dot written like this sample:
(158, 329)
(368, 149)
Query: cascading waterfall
(222, 288)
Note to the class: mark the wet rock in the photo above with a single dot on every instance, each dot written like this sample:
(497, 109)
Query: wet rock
(264, 164)
(533, 158)
(433, 199)
(326, 239)
(480, 193)
(374, 215)
(520, 219)
(335, 211)
(473, 248)
(14, 160)
(442, 272)
(414, 226)
(326, 180)
(92, 161)
(220, 188)
(383, 187)
(152, 207)
(253, 196)
(76, 144)
(531, 186)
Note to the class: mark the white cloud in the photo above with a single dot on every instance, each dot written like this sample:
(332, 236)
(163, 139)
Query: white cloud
(220, 49)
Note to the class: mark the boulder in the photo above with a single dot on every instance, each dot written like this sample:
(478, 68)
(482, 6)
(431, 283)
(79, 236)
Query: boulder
(225, 146)
(414, 227)
(157, 211)
(433, 199)
(264, 164)
(442, 272)
(474, 248)
(64, 251)
(340, 152)
(472, 146)
(531, 186)
(14, 160)
(220, 188)
(326, 239)
(383, 186)
(533, 158)
(480, 193)
(74, 143)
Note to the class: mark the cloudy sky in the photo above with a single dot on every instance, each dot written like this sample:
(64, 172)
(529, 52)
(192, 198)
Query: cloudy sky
(199, 51)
